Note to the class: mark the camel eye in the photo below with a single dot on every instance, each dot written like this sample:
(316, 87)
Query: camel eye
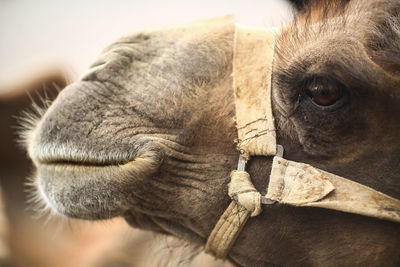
(324, 94)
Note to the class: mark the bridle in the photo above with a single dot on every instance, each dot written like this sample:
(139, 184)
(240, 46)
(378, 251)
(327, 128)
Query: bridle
(292, 183)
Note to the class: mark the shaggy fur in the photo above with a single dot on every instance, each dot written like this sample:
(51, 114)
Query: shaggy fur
(148, 134)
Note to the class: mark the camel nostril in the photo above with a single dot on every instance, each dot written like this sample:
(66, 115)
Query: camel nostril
(97, 63)
(93, 68)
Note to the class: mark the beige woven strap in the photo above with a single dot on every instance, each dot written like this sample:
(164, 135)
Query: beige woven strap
(252, 66)
(246, 202)
(300, 184)
(242, 190)
(226, 230)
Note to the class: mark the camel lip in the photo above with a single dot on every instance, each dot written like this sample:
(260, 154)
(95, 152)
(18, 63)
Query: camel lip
(44, 154)
(82, 163)
(70, 155)
(72, 190)
(88, 190)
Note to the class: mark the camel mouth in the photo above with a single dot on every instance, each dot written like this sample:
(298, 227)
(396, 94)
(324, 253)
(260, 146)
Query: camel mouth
(85, 163)
(84, 191)
(90, 191)
(99, 186)
(52, 155)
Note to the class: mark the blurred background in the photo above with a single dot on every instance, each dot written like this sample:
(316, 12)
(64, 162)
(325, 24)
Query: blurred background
(44, 46)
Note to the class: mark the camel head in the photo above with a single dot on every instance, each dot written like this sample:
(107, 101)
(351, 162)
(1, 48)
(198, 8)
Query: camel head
(148, 133)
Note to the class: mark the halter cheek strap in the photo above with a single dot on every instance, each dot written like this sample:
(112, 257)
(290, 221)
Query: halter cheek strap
(252, 63)
(290, 182)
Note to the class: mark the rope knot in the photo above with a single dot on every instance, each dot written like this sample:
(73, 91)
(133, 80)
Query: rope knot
(242, 190)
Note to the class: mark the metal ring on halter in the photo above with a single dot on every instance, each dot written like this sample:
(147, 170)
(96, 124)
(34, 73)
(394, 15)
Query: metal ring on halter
(242, 167)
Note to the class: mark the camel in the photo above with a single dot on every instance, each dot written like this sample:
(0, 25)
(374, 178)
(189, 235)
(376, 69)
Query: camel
(148, 133)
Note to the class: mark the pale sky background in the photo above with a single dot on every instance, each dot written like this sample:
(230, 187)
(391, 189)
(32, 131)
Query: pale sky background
(35, 33)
